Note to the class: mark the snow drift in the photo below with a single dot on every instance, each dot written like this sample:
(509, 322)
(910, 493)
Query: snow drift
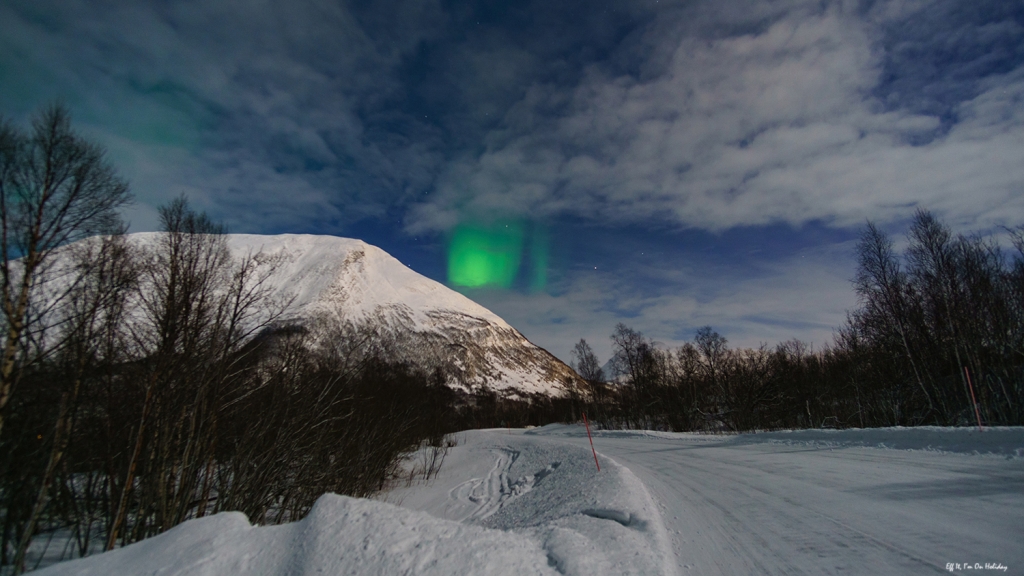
(340, 535)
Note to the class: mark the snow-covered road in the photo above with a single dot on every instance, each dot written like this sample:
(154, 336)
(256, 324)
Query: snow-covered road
(881, 501)
(786, 504)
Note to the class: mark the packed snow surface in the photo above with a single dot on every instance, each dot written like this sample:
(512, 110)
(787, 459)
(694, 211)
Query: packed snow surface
(872, 501)
(882, 501)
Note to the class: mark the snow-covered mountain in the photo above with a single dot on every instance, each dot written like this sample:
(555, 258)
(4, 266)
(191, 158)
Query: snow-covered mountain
(349, 279)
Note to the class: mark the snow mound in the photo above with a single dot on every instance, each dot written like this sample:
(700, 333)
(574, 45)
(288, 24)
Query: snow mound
(340, 535)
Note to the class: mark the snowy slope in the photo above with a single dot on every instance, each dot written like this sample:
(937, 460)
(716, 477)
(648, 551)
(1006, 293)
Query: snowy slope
(332, 274)
(350, 279)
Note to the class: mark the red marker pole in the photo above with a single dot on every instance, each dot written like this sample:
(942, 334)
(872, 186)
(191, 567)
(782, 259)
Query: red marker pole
(587, 424)
(970, 387)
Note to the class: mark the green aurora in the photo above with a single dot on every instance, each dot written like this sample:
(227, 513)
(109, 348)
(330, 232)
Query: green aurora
(491, 255)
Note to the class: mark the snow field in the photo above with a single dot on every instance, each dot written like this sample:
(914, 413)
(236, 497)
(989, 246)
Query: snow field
(876, 501)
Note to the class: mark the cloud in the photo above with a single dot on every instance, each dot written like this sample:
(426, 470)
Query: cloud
(278, 109)
(351, 108)
(700, 114)
(808, 112)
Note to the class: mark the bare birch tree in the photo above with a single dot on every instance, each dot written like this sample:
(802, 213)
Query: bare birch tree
(55, 188)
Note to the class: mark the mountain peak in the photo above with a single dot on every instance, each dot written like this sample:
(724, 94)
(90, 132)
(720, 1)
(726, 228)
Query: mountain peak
(352, 280)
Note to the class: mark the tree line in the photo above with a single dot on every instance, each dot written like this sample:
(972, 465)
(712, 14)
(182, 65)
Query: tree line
(937, 339)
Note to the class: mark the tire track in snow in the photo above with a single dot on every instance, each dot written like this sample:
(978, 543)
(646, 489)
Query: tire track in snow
(589, 523)
(756, 536)
(487, 495)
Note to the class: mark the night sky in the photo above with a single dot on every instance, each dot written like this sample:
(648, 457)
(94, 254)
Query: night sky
(567, 164)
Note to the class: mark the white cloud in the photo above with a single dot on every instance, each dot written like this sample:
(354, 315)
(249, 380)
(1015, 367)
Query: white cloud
(776, 125)
(711, 115)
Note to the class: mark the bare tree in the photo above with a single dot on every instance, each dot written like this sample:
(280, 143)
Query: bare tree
(713, 348)
(635, 356)
(55, 188)
(90, 317)
(585, 362)
(882, 285)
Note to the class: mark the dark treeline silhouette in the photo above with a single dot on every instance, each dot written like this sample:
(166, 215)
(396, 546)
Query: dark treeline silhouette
(488, 409)
(939, 333)
(169, 390)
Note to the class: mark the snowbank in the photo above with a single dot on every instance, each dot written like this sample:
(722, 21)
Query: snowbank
(503, 504)
(339, 536)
